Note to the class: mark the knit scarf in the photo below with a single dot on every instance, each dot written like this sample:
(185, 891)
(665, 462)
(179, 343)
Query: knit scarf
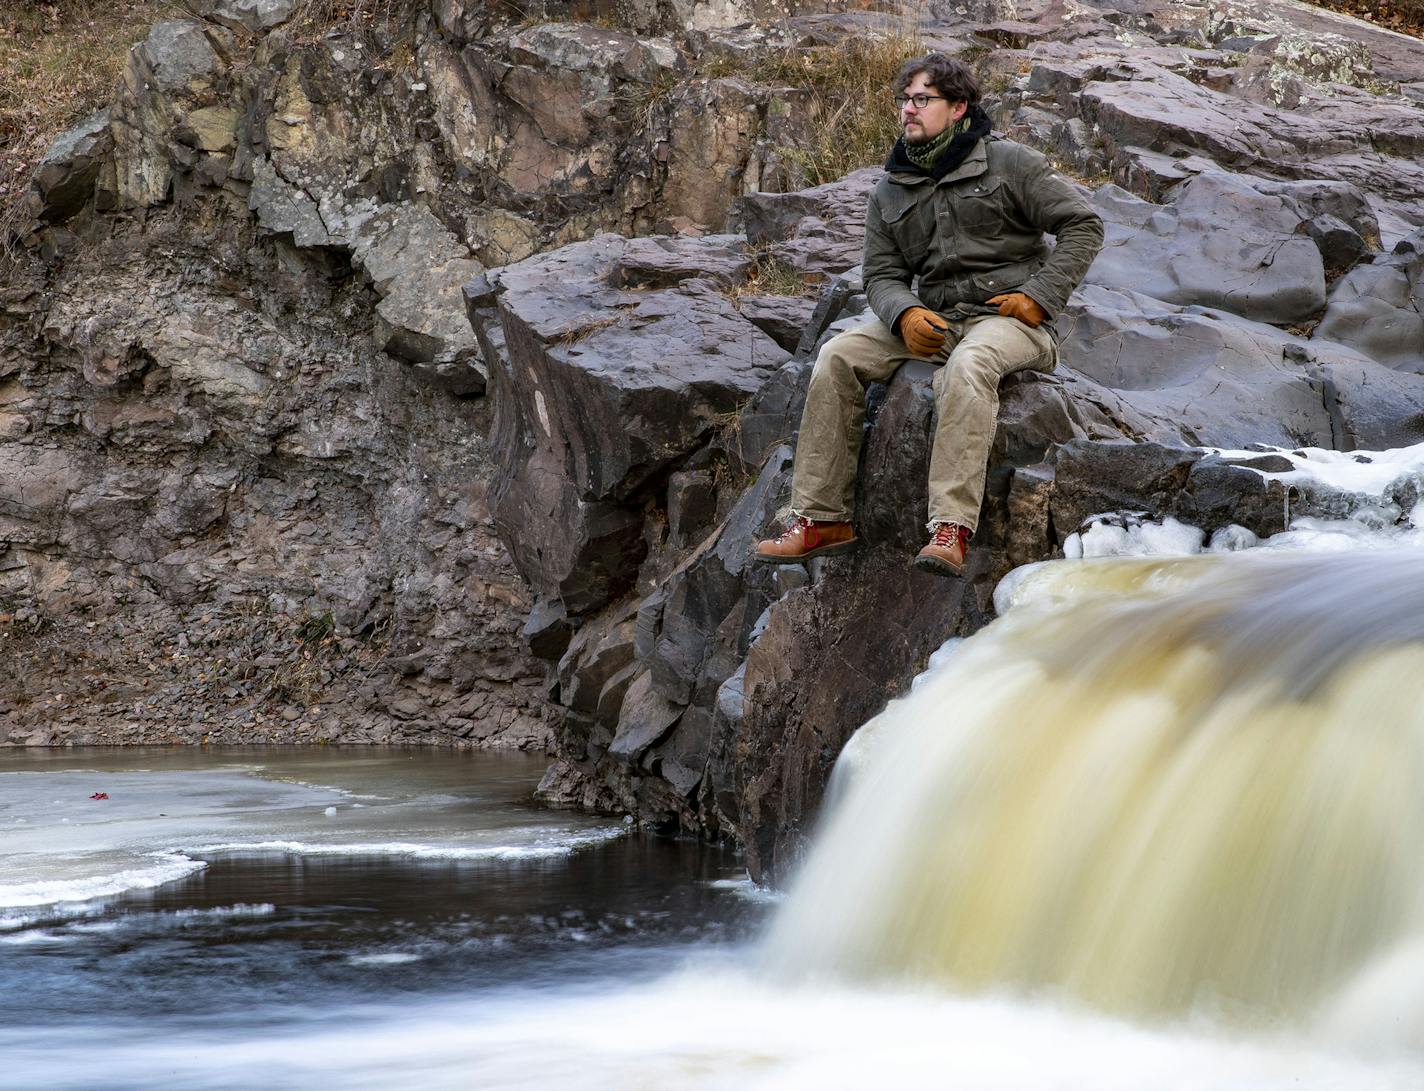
(945, 152)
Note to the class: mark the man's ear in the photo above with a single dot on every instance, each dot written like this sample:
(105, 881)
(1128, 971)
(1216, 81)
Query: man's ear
(958, 110)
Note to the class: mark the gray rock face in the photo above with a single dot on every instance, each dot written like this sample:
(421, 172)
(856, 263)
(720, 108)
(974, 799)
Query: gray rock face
(64, 181)
(1217, 243)
(1224, 381)
(721, 706)
(819, 230)
(174, 71)
(282, 208)
(253, 16)
(611, 379)
(178, 54)
(1312, 102)
(226, 477)
(1379, 308)
(782, 318)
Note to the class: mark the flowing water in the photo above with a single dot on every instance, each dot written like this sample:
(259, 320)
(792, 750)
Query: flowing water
(1200, 789)
(1159, 826)
(296, 917)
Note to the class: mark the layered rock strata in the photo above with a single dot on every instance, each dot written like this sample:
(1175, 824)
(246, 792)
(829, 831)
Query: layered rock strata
(244, 449)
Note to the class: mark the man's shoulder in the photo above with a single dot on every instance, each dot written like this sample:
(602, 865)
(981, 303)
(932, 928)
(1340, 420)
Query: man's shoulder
(1006, 153)
(893, 187)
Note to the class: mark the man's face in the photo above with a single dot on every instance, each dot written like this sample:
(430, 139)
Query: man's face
(923, 125)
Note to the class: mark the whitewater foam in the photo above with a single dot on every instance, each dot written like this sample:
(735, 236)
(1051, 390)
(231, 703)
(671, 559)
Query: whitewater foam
(702, 1029)
(384, 958)
(746, 888)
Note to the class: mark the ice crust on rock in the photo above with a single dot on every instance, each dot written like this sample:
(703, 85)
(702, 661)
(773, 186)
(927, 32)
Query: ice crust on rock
(1346, 499)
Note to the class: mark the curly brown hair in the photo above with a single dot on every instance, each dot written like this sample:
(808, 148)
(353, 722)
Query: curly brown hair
(946, 75)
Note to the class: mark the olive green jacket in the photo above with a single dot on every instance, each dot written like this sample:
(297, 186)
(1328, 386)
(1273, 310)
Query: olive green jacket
(976, 233)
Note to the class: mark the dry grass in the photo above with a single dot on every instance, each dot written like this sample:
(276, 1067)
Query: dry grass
(1405, 16)
(772, 276)
(851, 121)
(390, 18)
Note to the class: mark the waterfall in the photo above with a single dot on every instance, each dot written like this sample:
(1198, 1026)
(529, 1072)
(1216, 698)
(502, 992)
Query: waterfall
(1160, 786)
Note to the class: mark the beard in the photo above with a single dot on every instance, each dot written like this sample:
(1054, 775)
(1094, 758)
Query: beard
(917, 135)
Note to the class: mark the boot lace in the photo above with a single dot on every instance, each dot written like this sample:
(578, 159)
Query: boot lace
(799, 522)
(947, 535)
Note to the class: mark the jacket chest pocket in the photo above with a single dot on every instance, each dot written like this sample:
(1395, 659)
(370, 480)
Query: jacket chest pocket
(979, 206)
(910, 222)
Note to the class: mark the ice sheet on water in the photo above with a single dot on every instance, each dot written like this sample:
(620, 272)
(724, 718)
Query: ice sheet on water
(542, 846)
(166, 867)
(63, 849)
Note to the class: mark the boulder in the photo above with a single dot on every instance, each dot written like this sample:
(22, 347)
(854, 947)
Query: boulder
(1219, 243)
(1378, 309)
(819, 230)
(606, 389)
(64, 179)
(253, 16)
(1224, 381)
(281, 207)
(178, 56)
(644, 718)
(665, 262)
(783, 318)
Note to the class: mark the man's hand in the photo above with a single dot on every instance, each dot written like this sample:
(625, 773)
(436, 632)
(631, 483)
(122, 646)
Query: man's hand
(1017, 305)
(922, 331)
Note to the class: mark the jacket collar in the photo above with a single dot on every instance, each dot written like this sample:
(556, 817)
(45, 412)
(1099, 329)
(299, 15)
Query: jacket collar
(974, 165)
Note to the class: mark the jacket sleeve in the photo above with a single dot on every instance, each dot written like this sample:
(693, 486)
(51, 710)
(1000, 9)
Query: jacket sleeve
(884, 270)
(1052, 204)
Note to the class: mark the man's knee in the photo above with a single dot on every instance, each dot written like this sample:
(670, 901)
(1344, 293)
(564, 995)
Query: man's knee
(830, 374)
(836, 362)
(974, 367)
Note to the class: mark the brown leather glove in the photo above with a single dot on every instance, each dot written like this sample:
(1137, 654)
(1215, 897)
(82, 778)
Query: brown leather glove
(1017, 305)
(922, 331)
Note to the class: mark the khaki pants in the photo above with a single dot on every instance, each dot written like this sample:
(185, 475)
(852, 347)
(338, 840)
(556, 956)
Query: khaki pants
(977, 353)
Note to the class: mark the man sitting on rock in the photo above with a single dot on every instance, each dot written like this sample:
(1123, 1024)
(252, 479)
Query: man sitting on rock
(966, 213)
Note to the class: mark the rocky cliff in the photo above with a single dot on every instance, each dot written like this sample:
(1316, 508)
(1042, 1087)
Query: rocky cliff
(267, 475)
(242, 425)
(1260, 284)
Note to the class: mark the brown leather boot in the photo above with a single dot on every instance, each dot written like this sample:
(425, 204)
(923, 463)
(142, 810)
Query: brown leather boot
(804, 539)
(947, 552)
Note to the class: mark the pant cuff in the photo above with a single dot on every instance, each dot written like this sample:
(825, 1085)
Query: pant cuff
(819, 516)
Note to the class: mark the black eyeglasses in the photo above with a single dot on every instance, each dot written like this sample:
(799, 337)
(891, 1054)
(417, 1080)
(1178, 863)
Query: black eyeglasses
(920, 101)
